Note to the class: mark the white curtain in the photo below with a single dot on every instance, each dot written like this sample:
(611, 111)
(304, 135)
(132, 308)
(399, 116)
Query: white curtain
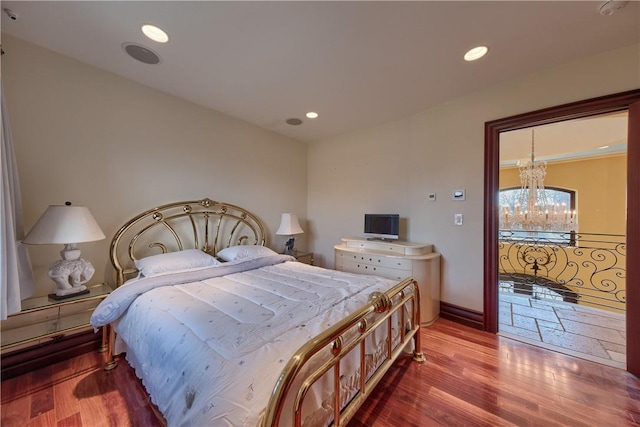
(16, 276)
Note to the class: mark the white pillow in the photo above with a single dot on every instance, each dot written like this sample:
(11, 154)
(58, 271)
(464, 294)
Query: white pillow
(233, 253)
(174, 261)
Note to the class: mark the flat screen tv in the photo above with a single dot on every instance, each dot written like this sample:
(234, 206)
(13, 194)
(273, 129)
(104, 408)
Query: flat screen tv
(382, 226)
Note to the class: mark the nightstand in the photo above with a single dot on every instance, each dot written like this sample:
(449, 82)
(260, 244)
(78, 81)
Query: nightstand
(304, 257)
(42, 318)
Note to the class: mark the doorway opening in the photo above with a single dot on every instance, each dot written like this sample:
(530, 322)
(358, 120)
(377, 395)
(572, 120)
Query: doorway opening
(626, 101)
(561, 243)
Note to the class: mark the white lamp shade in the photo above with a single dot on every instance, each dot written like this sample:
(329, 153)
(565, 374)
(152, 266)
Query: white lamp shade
(64, 224)
(289, 225)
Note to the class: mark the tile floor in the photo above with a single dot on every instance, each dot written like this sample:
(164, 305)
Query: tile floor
(585, 332)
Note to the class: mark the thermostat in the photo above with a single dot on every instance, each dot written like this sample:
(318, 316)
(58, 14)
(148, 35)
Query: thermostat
(458, 194)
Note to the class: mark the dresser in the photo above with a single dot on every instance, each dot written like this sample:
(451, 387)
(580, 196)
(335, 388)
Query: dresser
(395, 260)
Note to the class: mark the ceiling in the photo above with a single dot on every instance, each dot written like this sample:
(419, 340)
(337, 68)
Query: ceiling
(597, 136)
(355, 63)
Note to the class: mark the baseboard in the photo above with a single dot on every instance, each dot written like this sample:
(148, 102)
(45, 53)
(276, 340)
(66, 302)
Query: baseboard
(29, 359)
(462, 315)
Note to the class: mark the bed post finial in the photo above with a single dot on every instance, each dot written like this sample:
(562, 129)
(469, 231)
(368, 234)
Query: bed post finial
(381, 301)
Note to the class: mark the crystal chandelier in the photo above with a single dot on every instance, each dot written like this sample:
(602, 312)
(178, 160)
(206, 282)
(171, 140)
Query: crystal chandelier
(533, 212)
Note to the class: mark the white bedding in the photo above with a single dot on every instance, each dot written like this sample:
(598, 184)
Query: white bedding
(210, 344)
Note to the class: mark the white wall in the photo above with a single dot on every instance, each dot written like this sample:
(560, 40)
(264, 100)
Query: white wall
(96, 139)
(392, 167)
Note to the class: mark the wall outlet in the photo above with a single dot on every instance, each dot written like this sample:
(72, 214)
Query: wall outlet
(432, 197)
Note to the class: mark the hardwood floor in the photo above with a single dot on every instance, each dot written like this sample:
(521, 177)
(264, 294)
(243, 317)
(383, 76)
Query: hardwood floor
(474, 378)
(471, 378)
(79, 393)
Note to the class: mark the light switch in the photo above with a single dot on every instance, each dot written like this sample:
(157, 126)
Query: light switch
(432, 197)
(457, 219)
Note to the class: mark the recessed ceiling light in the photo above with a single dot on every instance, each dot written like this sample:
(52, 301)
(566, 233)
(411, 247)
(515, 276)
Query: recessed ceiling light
(312, 115)
(476, 53)
(154, 33)
(603, 147)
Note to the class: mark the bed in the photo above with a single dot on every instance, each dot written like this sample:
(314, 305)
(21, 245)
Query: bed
(224, 331)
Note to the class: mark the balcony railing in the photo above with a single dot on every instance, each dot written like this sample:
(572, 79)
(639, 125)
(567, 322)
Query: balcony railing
(582, 268)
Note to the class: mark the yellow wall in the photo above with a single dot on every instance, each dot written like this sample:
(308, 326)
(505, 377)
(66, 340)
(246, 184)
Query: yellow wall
(600, 185)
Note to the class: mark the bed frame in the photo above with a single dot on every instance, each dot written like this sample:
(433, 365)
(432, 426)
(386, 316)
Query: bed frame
(211, 226)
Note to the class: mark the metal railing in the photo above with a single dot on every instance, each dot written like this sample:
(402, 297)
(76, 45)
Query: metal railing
(582, 268)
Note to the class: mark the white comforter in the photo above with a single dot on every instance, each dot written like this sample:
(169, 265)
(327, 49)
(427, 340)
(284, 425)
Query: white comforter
(210, 344)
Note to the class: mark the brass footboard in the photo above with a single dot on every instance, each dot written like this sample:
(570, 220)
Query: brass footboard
(402, 298)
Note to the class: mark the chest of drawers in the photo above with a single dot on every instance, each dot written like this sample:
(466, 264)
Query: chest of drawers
(397, 261)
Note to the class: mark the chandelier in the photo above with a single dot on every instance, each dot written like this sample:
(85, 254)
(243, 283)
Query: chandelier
(533, 212)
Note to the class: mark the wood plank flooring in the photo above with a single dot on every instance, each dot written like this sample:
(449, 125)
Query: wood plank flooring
(471, 378)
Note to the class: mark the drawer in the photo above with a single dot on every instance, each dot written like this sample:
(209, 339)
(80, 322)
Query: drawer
(377, 246)
(376, 260)
(362, 268)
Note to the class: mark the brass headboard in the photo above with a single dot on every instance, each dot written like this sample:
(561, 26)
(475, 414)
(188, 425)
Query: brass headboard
(201, 224)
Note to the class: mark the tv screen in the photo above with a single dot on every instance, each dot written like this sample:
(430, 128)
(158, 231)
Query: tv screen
(382, 226)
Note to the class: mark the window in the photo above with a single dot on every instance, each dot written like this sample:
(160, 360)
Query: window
(510, 197)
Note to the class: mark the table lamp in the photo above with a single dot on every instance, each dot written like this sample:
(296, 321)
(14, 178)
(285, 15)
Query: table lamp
(289, 226)
(67, 225)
